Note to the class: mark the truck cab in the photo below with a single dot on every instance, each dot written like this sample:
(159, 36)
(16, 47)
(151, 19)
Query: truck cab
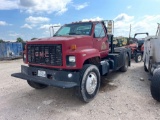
(76, 56)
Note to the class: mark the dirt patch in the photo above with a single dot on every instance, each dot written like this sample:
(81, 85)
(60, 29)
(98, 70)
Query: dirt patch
(124, 97)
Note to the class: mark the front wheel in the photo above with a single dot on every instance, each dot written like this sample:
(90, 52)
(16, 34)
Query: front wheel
(90, 83)
(155, 86)
(36, 85)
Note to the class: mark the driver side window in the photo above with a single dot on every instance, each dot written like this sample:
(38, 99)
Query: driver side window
(99, 31)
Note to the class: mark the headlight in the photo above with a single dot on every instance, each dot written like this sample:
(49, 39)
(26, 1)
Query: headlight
(70, 60)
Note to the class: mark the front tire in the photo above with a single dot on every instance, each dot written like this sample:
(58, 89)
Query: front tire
(90, 83)
(36, 85)
(155, 86)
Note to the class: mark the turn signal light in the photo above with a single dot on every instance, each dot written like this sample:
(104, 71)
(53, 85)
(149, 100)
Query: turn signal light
(73, 47)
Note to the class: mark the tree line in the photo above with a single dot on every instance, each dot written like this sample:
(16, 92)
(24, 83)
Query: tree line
(19, 39)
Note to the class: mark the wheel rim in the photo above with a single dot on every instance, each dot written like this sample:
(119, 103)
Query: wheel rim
(139, 58)
(91, 83)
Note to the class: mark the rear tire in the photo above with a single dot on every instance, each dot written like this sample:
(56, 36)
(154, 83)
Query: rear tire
(36, 85)
(138, 57)
(90, 83)
(124, 68)
(155, 86)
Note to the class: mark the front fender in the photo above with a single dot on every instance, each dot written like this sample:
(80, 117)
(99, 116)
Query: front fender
(83, 55)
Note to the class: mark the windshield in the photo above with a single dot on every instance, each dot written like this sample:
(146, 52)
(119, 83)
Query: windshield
(75, 29)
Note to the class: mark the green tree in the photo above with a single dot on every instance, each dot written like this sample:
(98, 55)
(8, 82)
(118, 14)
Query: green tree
(19, 39)
(1, 41)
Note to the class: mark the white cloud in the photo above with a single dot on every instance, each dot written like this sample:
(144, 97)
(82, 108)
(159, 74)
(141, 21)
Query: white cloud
(3, 23)
(26, 26)
(28, 3)
(60, 12)
(8, 4)
(129, 7)
(48, 30)
(145, 24)
(124, 17)
(14, 34)
(36, 20)
(36, 6)
(47, 26)
(81, 6)
(92, 19)
(122, 24)
(48, 6)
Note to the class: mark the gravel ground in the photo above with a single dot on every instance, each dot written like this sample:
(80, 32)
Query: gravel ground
(126, 97)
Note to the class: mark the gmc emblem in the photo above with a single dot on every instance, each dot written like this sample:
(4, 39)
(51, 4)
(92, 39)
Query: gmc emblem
(41, 54)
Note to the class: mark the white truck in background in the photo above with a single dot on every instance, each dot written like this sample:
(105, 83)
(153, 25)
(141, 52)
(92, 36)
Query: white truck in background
(151, 58)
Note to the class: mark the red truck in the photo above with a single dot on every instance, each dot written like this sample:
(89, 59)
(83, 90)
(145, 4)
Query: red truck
(78, 55)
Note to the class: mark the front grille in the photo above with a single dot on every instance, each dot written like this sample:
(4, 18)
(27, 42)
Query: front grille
(45, 54)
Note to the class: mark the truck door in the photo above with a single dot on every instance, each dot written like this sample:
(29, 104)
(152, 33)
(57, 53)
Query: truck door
(100, 40)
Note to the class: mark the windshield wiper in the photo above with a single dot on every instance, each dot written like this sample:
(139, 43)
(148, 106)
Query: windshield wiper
(73, 33)
(57, 35)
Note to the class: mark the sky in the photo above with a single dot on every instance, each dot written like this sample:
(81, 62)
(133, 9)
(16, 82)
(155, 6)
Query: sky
(32, 18)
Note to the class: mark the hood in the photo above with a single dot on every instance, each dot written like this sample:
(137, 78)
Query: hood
(60, 39)
(67, 41)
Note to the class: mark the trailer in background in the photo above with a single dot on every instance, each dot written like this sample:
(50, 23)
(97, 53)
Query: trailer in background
(10, 50)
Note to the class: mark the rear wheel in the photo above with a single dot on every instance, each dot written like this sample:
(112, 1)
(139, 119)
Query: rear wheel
(124, 68)
(138, 57)
(90, 83)
(155, 86)
(36, 85)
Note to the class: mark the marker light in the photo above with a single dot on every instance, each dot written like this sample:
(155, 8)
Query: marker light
(73, 47)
